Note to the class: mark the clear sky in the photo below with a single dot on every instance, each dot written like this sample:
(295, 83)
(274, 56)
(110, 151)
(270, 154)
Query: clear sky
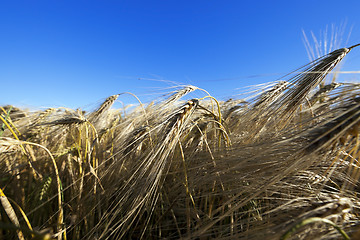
(77, 53)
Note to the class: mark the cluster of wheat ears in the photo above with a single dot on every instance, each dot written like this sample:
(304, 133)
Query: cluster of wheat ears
(280, 165)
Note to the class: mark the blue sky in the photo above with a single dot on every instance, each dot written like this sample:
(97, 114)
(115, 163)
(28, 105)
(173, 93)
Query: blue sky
(77, 53)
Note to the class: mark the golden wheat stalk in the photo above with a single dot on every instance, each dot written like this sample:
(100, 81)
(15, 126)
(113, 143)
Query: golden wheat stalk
(141, 189)
(322, 91)
(176, 95)
(11, 213)
(60, 220)
(68, 120)
(271, 95)
(305, 82)
(105, 106)
(345, 124)
(283, 109)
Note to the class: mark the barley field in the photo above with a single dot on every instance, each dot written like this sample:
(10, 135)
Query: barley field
(281, 164)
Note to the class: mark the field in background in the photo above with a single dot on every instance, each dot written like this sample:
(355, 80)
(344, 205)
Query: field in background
(279, 165)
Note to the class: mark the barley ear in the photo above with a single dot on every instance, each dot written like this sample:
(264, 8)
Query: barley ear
(11, 213)
(105, 106)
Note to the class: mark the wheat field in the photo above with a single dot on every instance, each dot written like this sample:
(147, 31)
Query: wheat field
(282, 164)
